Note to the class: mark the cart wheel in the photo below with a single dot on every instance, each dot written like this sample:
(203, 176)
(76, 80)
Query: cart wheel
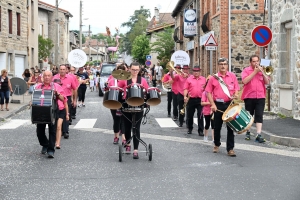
(120, 152)
(150, 152)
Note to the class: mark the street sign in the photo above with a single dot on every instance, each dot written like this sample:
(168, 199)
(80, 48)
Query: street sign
(148, 63)
(211, 41)
(148, 57)
(261, 35)
(211, 48)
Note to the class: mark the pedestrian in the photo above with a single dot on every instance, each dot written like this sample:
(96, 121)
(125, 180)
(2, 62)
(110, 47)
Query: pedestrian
(33, 80)
(153, 74)
(26, 76)
(48, 145)
(159, 73)
(220, 97)
(127, 117)
(254, 94)
(147, 77)
(83, 79)
(207, 113)
(193, 89)
(54, 70)
(91, 81)
(5, 88)
(167, 81)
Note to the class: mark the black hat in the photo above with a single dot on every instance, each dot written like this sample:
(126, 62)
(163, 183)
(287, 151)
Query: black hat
(178, 66)
(196, 68)
(185, 67)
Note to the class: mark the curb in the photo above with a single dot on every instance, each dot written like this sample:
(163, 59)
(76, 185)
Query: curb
(24, 107)
(286, 141)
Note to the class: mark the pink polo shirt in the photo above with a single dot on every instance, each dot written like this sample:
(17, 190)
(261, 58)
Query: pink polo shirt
(213, 86)
(110, 77)
(68, 83)
(195, 86)
(123, 84)
(254, 89)
(167, 77)
(57, 88)
(180, 83)
(75, 79)
(206, 109)
(111, 82)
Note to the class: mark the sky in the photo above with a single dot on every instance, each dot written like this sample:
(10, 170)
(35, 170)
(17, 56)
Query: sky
(111, 13)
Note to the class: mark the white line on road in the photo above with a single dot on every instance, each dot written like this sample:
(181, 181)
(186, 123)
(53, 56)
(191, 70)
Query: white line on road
(14, 123)
(166, 122)
(85, 123)
(245, 147)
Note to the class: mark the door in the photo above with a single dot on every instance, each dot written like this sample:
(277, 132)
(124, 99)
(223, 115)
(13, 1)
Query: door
(19, 65)
(2, 61)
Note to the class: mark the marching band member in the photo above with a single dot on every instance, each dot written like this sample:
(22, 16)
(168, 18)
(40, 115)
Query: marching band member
(254, 94)
(193, 89)
(180, 80)
(175, 92)
(134, 69)
(62, 112)
(74, 95)
(68, 85)
(221, 88)
(168, 80)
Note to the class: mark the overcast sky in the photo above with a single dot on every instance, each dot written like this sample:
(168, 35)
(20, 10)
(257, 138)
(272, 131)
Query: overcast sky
(111, 13)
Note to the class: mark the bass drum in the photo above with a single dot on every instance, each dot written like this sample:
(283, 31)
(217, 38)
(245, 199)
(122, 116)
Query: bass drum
(135, 95)
(153, 96)
(113, 98)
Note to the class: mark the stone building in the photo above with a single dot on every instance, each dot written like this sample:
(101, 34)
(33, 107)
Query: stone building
(18, 49)
(47, 27)
(233, 36)
(74, 40)
(156, 25)
(285, 57)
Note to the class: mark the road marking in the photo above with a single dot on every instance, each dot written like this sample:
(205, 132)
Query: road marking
(245, 147)
(85, 123)
(196, 121)
(14, 123)
(166, 122)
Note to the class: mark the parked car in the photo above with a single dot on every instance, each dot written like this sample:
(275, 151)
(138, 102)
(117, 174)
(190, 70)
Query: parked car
(105, 72)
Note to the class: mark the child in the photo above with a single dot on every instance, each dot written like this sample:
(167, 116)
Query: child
(206, 111)
(92, 81)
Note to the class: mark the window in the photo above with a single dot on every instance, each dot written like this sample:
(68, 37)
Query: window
(42, 30)
(289, 75)
(18, 24)
(10, 21)
(32, 14)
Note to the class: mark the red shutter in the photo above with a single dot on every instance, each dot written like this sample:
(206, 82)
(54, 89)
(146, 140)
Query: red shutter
(10, 21)
(18, 24)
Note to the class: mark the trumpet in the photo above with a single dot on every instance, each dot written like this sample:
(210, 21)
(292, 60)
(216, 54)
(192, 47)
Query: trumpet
(267, 70)
(182, 111)
(170, 65)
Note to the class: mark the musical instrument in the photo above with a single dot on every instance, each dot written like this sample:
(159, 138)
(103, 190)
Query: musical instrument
(132, 109)
(153, 96)
(166, 87)
(182, 111)
(237, 118)
(170, 65)
(113, 97)
(267, 71)
(43, 107)
(121, 75)
(135, 94)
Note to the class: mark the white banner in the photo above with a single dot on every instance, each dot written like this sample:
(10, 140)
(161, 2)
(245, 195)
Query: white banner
(180, 58)
(77, 58)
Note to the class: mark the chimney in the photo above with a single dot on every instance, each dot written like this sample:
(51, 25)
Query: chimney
(156, 14)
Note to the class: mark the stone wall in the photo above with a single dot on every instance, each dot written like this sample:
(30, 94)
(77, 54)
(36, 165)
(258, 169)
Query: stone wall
(284, 12)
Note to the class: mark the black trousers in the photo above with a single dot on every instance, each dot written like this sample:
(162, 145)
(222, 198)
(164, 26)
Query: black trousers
(81, 93)
(117, 121)
(256, 108)
(209, 122)
(65, 125)
(180, 101)
(127, 123)
(73, 111)
(194, 104)
(175, 105)
(170, 97)
(43, 140)
(218, 127)
(154, 83)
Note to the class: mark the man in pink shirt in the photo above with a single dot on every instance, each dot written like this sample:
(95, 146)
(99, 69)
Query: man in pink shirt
(48, 145)
(68, 85)
(254, 94)
(74, 95)
(175, 92)
(180, 79)
(220, 99)
(168, 80)
(193, 88)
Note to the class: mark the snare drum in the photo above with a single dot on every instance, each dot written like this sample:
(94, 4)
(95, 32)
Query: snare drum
(135, 95)
(237, 118)
(113, 98)
(43, 107)
(153, 96)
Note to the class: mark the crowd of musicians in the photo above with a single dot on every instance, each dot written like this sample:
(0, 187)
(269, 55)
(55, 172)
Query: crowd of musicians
(209, 96)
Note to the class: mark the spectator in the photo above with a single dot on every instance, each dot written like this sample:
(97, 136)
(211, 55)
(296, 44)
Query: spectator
(159, 73)
(5, 87)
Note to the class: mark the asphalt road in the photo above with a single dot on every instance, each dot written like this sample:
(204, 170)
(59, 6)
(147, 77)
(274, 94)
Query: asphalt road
(183, 166)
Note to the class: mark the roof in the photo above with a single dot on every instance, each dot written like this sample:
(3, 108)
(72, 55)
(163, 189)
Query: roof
(52, 8)
(165, 19)
(93, 42)
(93, 52)
(178, 7)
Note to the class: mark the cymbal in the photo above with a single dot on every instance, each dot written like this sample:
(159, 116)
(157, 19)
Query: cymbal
(121, 75)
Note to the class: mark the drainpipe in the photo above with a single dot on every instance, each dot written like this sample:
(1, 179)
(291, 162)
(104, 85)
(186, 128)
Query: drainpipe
(229, 34)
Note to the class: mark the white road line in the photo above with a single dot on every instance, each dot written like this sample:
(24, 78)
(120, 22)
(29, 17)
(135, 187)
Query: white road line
(85, 123)
(166, 122)
(245, 147)
(14, 123)
(196, 121)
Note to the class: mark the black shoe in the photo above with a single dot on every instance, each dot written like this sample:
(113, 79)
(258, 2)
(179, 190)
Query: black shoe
(70, 123)
(44, 150)
(247, 135)
(50, 154)
(260, 139)
(175, 118)
(73, 117)
(66, 135)
(189, 131)
(180, 125)
(200, 133)
(135, 155)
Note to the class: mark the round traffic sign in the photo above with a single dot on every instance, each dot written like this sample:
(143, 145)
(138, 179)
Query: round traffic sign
(261, 35)
(148, 63)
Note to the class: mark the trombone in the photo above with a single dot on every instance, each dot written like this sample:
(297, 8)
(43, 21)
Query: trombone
(182, 111)
(170, 65)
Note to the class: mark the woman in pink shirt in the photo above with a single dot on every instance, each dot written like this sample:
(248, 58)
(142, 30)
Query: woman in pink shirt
(127, 117)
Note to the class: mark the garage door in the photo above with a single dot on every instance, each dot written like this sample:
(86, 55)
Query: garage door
(2, 61)
(19, 66)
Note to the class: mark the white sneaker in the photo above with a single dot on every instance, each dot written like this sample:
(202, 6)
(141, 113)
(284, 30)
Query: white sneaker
(205, 139)
(80, 105)
(83, 105)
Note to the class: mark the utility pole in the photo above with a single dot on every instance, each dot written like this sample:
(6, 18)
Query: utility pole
(57, 35)
(80, 26)
(89, 41)
(97, 50)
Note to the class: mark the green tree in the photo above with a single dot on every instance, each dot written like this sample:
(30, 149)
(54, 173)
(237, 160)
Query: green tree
(164, 45)
(140, 48)
(45, 46)
(83, 37)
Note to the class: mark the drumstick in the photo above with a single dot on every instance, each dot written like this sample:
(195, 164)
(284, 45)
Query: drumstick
(220, 111)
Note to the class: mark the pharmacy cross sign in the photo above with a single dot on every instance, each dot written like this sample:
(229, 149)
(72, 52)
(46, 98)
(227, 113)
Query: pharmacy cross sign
(261, 35)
